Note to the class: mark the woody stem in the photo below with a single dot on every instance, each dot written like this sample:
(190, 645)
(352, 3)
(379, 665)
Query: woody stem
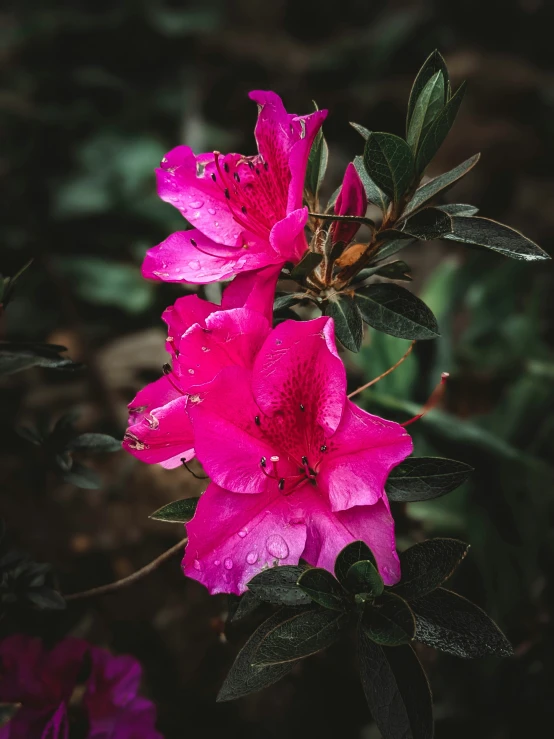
(390, 369)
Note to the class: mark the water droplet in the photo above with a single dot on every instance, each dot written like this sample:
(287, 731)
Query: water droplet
(191, 372)
(242, 533)
(205, 349)
(194, 264)
(196, 565)
(252, 558)
(228, 564)
(277, 546)
(196, 204)
(211, 211)
(217, 562)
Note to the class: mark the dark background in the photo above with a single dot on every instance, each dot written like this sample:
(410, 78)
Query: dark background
(94, 93)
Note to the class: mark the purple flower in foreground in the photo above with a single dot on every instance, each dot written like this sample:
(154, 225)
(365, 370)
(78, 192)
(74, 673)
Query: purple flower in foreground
(246, 210)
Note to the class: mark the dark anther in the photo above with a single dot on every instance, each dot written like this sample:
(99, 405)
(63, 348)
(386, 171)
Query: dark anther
(225, 166)
(213, 176)
(244, 209)
(313, 482)
(188, 469)
(266, 166)
(257, 171)
(236, 176)
(193, 242)
(304, 460)
(281, 483)
(323, 448)
(302, 407)
(257, 420)
(250, 165)
(166, 369)
(227, 194)
(263, 461)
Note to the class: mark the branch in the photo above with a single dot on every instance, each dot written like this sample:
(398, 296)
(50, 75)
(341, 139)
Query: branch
(138, 575)
(390, 369)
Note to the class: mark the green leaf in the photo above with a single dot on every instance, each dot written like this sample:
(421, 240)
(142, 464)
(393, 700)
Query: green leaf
(7, 712)
(45, 599)
(442, 183)
(438, 130)
(15, 357)
(300, 635)
(428, 224)
(362, 130)
(244, 677)
(390, 621)
(373, 193)
(389, 162)
(393, 271)
(286, 301)
(390, 247)
(279, 586)
(446, 621)
(433, 64)
(179, 511)
(429, 104)
(458, 209)
(424, 478)
(8, 284)
(323, 589)
(352, 553)
(82, 477)
(244, 606)
(317, 163)
(496, 236)
(349, 328)
(396, 311)
(427, 565)
(306, 266)
(363, 577)
(396, 690)
(94, 443)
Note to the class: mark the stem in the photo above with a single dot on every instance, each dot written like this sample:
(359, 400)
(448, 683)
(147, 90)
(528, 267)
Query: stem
(333, 217)
(391, 369)
(138, 575)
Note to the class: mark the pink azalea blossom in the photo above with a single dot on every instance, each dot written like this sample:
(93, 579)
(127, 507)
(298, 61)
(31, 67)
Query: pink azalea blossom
(203, 338)
(351, 201)
(43, 681)
(246, 211)
(297, 470)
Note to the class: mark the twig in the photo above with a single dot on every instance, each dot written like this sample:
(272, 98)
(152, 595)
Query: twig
(390, 369)
(138, 575)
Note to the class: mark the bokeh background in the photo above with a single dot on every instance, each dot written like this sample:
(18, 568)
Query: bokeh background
(93, 95)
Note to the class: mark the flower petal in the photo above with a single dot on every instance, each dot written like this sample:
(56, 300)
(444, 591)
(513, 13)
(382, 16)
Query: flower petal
(183, 314)
(233, 537)
(351, 201)
(298, 158)
(287, 236)
(359, 458)
(254, 290)
(161, 434)
(155, 395)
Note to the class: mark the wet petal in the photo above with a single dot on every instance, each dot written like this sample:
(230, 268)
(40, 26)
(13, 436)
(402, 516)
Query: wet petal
(287, 236)
(161, 434)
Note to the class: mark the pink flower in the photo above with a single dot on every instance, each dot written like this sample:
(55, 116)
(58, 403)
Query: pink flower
(203, 338)
(246, 211)
(298, 471)
(43, 682)
(351, 201)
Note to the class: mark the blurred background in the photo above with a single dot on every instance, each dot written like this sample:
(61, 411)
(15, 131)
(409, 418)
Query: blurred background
(93, 95)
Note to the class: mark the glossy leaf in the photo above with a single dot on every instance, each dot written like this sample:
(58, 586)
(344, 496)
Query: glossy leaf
(446, 621)
(390, 621)
(390, 247)
(323, 589)
(396, 311)
(427, 565)
(301, 634)
(396, 689)
(392, 271)
(362, 130)
(373, 193)
(279, 586)
(389, 162)
(442, 183)
(428, 224)
(424, 478)
(317, 163)
(244, 677)
(349, 328)
(363, 577)
(243, 606)
(352, 553)
(459, 209)
(433, 64)
(306, 266)
(19, 356)
(429, 104)
(179, 511)
(496, 236)
(438, 130)
(288, 300)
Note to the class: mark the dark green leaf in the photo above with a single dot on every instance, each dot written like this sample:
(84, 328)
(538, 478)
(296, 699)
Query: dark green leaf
(7, 712)
(94, 443)
(306, 266)
(29, 434)
(244, 677)
(363, 577)
(495, 236)
(179, 511)
(373, 193)
(82, 477)
(446, 621)
(19, 356)
(45, 598)
(286, 301)
(389, 162)
(395, 311)
(63, 461)
(438, 130)
(428, 224)
(244, 606)
(433, 64)
(423, 478)
(390, 247)
(349, 328)
(362, 130)
(317, 163)
(279, 586)
(392, 271)
(8, 284)
(322, 588)
(459, 209)
(352, 553)
(390, 621)
(429, 104)
(440, 184)
(427, 565)
(300, 635)
(396, 690)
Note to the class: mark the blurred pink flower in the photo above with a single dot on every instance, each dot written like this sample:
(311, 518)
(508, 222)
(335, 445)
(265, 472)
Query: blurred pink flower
(43, 681)
(246, 210)
(298, 471)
